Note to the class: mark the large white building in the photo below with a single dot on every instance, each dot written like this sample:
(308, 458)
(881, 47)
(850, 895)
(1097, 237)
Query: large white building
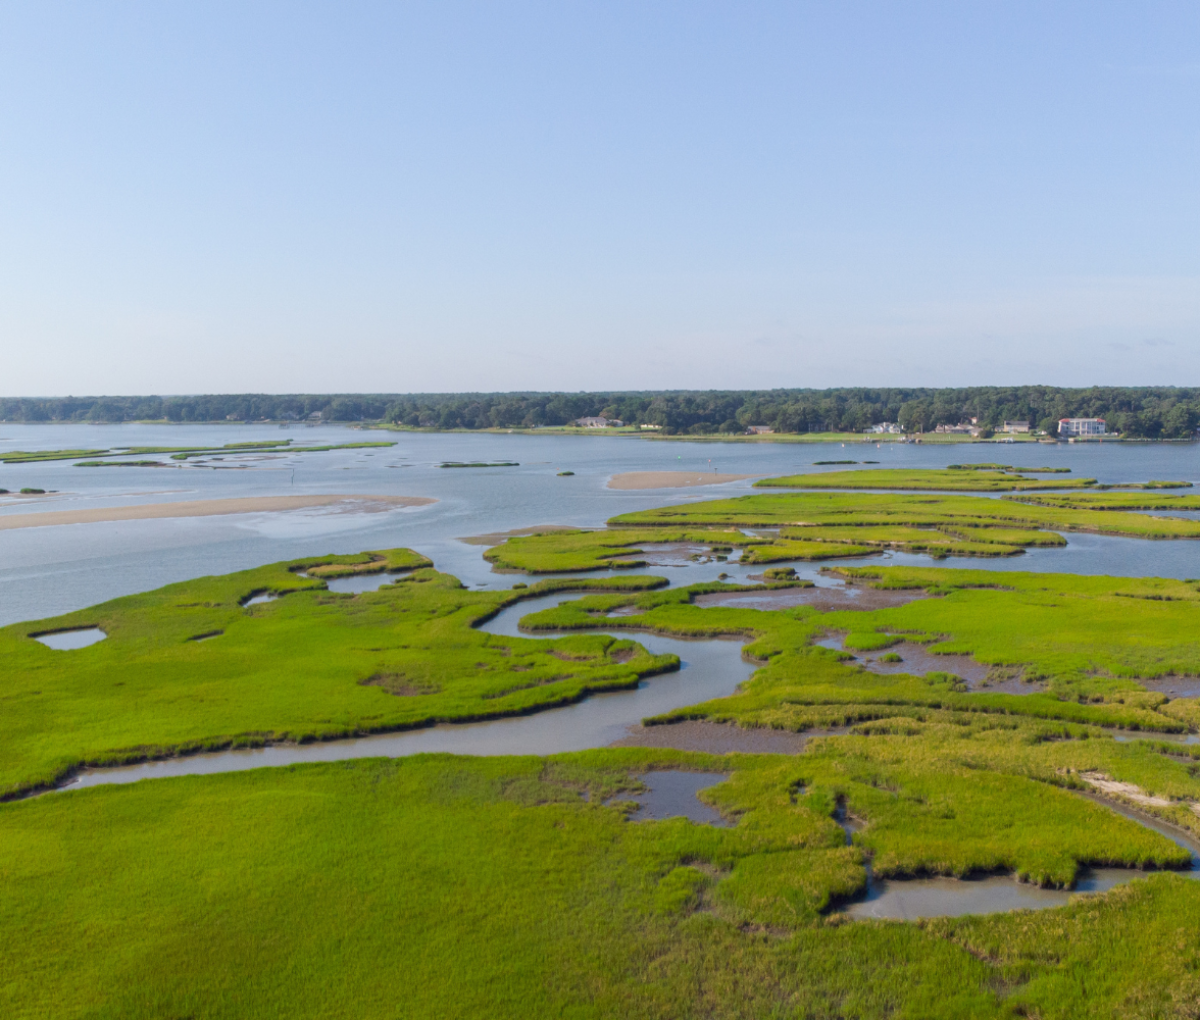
(1071, 427)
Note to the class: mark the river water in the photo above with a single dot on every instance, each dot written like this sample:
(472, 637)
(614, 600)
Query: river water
(48, 571)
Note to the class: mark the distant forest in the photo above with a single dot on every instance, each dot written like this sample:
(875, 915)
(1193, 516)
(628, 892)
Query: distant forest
(1152, 412)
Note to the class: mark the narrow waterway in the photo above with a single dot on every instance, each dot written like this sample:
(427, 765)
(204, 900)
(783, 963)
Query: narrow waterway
(709, 669)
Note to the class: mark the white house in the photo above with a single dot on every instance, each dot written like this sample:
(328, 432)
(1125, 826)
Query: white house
(597, 423)
(889, 428)
(760, 430)
(1015, 426)
(1072, 427)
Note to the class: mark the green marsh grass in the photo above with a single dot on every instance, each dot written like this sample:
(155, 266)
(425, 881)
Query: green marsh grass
(437, 886)
(979, 479)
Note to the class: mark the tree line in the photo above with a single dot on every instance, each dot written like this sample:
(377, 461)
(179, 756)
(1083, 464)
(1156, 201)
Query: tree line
(1151, 412)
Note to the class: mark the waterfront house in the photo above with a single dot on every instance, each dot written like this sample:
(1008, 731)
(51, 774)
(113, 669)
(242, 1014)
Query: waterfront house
(597, 423)
(759, 430)
(1073, 427)
(1015, 426)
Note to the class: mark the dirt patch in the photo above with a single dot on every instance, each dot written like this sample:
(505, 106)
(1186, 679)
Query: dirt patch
(210, 508)
(1106, 784)
(671, 479)
(399, 685)
(719, 738)
(822, 599)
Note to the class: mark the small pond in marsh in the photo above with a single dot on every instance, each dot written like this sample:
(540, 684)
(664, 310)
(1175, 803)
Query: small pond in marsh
(359, 583)
(69, 640)
(671, 793)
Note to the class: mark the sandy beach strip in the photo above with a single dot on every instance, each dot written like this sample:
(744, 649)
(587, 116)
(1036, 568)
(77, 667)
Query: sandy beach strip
(209, 508)
(670, 479)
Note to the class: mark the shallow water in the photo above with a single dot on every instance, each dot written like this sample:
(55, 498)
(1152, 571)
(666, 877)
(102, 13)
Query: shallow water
(48, 571)
(359, 583)
(672, 794)
(68, 640)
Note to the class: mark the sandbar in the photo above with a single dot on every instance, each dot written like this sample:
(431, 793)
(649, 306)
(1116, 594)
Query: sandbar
(209, 508)
(670, 479)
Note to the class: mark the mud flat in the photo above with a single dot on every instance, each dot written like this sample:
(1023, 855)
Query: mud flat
(719, 738)
(823, 598)
(210, 508)
(671, 479)
(916, 660)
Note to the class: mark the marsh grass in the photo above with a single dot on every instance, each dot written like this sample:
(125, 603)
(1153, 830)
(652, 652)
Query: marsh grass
(959, 478)
(436, 886)
(862, 509)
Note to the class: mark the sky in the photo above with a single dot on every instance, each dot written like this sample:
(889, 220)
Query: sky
(413, 197)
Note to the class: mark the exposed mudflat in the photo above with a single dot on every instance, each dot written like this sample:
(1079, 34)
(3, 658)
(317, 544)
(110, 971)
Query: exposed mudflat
(916, 660)
(823, 598)
(496, 537)
(1175, 686)
(719, 738)
(210, 508)
(671, 479)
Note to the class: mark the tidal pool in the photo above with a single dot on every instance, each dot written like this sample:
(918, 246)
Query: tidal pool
(671, 793)
(68, 640)
(359, 583)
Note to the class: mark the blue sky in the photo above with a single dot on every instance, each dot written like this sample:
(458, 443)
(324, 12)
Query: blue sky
(445, 196)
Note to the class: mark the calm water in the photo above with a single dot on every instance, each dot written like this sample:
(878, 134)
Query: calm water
(47, 571)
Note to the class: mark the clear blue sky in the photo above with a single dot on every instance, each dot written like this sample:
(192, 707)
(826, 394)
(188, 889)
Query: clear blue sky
(442, 196)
